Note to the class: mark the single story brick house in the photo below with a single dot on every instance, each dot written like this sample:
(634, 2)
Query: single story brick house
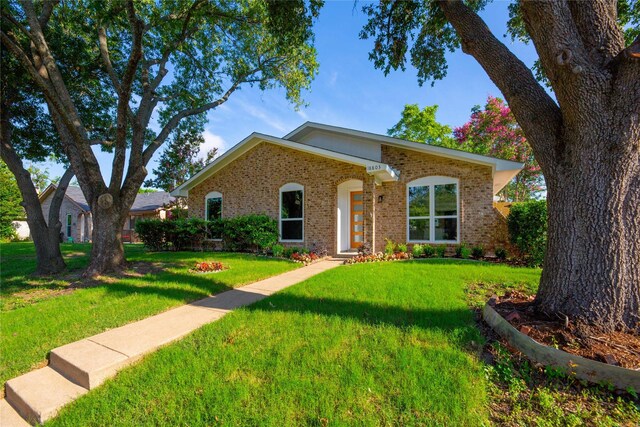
(75, 213)
(335, 188)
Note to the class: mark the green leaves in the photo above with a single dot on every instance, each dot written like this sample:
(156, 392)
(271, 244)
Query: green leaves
(415, 31)
(421, 126)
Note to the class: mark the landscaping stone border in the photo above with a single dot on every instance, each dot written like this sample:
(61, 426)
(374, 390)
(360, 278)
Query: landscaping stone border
(571, 364)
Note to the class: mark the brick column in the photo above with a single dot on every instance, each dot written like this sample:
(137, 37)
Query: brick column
(369, 199)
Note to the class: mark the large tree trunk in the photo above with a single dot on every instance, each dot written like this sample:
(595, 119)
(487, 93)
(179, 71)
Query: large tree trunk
(107, 251)
(592, 264)
(46, 237)
(587, 144)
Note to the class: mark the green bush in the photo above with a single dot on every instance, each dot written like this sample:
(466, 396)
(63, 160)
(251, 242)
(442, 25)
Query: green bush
(152, 233)
(185, 233)
(250, 233)
(429, 251)
(277, 251)
(462, 251)
(417, 250)
(501, 254)
(389, 247)
(477, 252)
(527, 223)
(441, 250)
(401, 247)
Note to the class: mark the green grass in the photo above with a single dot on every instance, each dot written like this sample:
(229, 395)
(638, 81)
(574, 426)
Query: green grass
(373, 344)
(39, 314)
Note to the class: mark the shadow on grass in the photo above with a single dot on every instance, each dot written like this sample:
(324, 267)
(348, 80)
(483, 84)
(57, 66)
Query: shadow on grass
(458, 322)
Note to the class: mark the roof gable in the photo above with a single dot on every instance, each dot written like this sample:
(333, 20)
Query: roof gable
(381, 171)
(351, 146)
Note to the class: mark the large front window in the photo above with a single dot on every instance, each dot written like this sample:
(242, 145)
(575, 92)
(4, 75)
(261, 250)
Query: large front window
(292, 213)
(432, 210)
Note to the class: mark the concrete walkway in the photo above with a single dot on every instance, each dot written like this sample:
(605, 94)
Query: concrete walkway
(76, 368)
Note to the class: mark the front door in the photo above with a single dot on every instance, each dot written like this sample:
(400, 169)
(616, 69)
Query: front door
(357, 219)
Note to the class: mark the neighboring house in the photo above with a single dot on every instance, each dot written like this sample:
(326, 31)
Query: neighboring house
(335, 188)
(75, 213)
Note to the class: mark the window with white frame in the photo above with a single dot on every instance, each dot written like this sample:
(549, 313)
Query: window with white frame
(432, 210)
(213, 211)
(292, 213)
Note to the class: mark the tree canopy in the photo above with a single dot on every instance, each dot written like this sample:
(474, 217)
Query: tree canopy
(162, 66)
(421, 126)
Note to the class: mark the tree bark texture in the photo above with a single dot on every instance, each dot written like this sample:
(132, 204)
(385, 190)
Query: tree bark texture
(107, 250)
(46, 236)
(587, 143)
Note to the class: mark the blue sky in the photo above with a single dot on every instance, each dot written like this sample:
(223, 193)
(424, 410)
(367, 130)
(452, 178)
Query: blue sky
(348, 91)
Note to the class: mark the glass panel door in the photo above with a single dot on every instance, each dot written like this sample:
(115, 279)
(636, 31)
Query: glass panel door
(357, 219)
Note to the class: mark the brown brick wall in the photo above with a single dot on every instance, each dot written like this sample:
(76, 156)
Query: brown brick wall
(477, 216)
(251, 184)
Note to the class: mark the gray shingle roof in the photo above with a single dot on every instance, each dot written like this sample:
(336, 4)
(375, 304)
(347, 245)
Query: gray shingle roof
(151, 201)
(143, 202)
(75, 194)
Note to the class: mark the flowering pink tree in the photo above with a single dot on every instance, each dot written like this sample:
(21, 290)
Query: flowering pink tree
(493, 131)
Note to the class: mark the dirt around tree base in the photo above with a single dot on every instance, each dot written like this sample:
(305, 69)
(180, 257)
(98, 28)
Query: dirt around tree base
(616, 348)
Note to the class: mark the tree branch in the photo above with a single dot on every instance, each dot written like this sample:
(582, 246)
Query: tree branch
(596, 22)
(58, 196)
(124, 97)
(536, 112)
(47, 10)
(175, 120)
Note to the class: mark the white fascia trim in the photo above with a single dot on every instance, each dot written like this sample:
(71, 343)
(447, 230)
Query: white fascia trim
(374, 168)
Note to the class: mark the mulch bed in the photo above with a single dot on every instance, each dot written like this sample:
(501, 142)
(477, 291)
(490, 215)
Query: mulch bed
(616, 348)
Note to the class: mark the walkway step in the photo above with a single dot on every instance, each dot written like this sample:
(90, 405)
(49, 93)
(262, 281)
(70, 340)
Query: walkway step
(38, 395)
(9, 417)
(87, 363)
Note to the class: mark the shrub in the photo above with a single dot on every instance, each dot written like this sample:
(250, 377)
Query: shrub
(441, 250)
(501, 254)
(477, 252)
(215, 228)
(429, 251)
(401, 247)
(152, 233)
(417, 250)
(185, 233)
(462, 251)
(389, 247)
(277, 250)
(527, 224)
(250, 233)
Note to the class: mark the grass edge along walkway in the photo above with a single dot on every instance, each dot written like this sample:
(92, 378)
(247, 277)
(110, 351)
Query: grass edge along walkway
(38, 395)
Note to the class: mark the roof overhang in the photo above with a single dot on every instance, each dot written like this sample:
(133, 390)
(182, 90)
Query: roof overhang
(52, 188)
(503, 171)
(382, 172)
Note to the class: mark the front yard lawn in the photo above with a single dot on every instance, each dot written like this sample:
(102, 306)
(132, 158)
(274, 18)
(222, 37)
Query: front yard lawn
(369, 344)
(39, 314)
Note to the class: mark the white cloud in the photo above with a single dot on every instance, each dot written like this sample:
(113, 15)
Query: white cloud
(211, 140)
(264, 116)
(303, 115)
(333, 78)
